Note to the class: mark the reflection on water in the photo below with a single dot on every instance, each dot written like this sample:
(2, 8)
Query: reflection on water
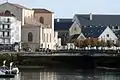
(67, 75)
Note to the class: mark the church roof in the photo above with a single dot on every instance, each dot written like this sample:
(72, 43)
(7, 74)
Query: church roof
(16, 5)
(40, 10)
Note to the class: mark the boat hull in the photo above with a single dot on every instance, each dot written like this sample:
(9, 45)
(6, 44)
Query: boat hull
(7, 76)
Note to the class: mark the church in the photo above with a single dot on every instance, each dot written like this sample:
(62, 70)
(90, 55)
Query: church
(37, 26)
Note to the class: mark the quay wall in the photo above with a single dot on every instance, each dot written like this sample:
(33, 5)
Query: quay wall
(79, 62)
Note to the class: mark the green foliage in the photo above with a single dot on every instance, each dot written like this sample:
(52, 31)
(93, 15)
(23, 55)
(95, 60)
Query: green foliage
(8, 57)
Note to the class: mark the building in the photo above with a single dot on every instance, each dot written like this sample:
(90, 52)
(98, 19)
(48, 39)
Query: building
(46, 18)
(87, 20)
(37, 26)
(101, 33)
(10, 30)
(81, 20)
(62, 27)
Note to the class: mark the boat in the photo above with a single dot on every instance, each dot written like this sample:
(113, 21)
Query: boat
(4, 75)
(8, 72)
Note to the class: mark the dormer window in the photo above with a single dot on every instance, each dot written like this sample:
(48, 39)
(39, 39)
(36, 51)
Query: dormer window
(116, 27)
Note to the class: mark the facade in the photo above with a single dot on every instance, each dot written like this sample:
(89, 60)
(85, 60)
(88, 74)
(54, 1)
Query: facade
(74, 29)
(62, 27)
(46, 18)
(22, 13)
(38, 23)
(10, 29)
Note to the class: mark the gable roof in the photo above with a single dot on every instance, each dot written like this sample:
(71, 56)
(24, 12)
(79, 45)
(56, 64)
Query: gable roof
(62, 25)
(103, 20)
(93, 31)
(40, 10)
(74, 36)
(16, 5)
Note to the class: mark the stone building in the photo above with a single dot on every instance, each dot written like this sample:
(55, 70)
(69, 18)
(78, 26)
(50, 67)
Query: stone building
(37, 25)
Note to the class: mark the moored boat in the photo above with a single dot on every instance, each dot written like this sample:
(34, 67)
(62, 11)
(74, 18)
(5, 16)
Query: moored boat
(9, 70)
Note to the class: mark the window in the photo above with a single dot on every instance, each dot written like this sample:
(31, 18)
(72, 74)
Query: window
(3, 26)
(116, 27)
(8, 34)
(30, 36)
(41, 20)
(75, 28)
(107, 35)
(50, 37)
(44, 37)
(8, 20)
(8, 26)
(3, 33)
(47, 37)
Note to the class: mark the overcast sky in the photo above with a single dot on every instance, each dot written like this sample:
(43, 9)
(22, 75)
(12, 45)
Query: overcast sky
(67, 8)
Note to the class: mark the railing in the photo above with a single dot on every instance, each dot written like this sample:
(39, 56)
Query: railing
(78, 53)
(5, 29)
(6, 37)
(5, 22)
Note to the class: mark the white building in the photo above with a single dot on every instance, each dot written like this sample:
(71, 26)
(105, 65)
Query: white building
(101, 33)
(10, 28)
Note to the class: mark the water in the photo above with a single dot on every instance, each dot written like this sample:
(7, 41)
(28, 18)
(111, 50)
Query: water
(66, 75)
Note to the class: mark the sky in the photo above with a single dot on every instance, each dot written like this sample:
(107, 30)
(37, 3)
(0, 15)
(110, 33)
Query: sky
(67, 8)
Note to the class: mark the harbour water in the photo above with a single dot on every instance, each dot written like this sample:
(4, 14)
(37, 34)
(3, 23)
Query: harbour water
(38, 74)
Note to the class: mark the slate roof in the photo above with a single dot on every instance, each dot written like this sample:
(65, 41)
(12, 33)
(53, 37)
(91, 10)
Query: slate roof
(74, 36)
(117, 33)
(40, 10)
(63, 20)
(103, 20)
(93, 31)
(62, 25)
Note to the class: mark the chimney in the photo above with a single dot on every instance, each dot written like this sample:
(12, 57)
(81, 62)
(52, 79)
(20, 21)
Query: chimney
(90, 16)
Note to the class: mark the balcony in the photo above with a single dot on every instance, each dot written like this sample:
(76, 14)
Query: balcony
(5, 22)
(5, 37)
(5, 29)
